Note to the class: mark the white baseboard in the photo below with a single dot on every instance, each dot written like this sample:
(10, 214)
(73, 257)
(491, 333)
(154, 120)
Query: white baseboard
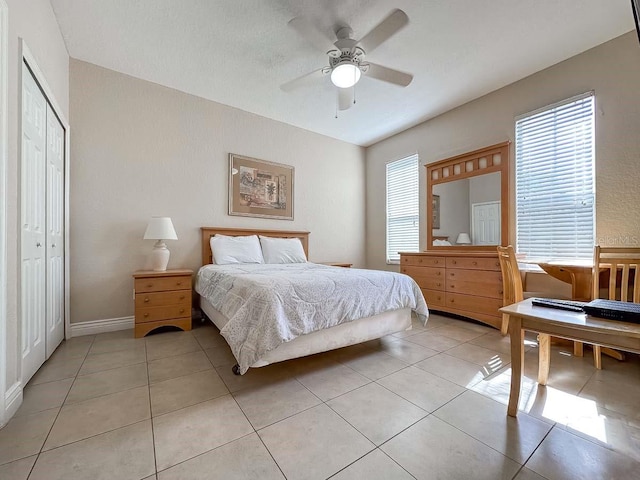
(12, 400)
(93, 327)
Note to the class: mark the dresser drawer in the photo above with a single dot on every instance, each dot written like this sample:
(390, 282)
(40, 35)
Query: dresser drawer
(182, 297)
(472, 263)
(161, 284)
(422, 260)
(433, 298)
(426, 277)
(473, 304)
(151, 314)
(475, 282)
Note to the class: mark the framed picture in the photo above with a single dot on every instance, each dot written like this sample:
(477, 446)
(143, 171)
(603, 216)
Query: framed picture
(436, 211)
(258, 188)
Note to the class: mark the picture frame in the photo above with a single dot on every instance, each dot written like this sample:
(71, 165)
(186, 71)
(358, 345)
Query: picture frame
(259, 188)
(436, 212)
(635, 7)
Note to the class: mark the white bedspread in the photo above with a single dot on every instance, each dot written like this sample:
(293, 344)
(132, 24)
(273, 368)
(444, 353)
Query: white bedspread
(270, 304)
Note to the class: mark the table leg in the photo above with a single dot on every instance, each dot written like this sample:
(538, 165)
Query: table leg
(544, 357)
(516, 335)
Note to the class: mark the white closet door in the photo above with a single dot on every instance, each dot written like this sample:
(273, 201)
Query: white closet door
(33, 230)
(55, 232)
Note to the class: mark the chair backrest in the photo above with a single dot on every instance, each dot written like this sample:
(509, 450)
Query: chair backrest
(512, 290)
(623, 264)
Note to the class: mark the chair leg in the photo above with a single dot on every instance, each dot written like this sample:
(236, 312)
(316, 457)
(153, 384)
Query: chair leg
(504, 328)
(578, 349)
(544, 358)
(597, 356)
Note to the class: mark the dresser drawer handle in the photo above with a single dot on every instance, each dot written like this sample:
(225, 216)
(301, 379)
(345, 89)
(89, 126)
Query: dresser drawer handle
(454, 262)
(146, 315)
(438, 284)
(453, 286)
(437, 274)
(149, 285)
(146, 299)
(178, 283)
(435, 262)
(181, 297)
(500, 292)
(419, 260)
(452, 300)
(474, 263)
(182, 310)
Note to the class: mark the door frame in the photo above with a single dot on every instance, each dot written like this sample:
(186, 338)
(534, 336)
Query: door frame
(4, 140)
(29, 59)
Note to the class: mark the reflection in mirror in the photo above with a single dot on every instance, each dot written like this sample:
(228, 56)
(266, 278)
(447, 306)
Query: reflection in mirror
(469, 209)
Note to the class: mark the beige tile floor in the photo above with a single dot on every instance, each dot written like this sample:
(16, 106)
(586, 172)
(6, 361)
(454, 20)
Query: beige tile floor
(428, 403)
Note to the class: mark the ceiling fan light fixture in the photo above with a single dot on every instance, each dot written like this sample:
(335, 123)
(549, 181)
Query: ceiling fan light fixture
(345, 74)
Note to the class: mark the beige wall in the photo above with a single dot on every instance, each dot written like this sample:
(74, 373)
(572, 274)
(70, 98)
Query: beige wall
(33, 21)
(612, 70)
(139, 149)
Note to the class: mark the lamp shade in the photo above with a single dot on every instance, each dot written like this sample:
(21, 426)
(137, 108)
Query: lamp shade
(346, 74)
(463, 239)
(160, 228)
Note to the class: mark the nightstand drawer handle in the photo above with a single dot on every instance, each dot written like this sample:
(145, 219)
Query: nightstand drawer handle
(146, 300)
(178, 283)
(146, 315)
(181, 297)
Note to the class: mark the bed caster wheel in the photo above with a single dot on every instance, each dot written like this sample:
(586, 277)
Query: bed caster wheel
(236, 369)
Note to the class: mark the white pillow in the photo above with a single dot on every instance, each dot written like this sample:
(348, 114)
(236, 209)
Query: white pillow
(441, 243)
(227, 250)
(282, 250)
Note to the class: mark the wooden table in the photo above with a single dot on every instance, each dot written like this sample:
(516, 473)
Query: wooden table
(576, 272)
(559, 323)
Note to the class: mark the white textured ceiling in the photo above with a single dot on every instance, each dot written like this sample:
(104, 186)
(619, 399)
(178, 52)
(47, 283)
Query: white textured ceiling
(238, 52)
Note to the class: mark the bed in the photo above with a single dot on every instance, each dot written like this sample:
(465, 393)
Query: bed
(271, 313)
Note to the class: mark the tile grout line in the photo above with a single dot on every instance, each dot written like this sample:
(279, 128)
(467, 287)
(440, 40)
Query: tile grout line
(60, 408)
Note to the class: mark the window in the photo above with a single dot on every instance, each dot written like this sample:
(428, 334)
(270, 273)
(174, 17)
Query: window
(555, 215)
(402, 207)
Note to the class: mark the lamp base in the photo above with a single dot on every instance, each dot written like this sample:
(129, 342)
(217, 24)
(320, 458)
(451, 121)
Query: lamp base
(160, 257)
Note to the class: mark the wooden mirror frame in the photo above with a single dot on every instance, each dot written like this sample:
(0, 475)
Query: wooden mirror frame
(471, 164)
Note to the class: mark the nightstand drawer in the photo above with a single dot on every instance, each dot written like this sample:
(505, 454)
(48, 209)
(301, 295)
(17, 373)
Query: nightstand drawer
(151, 314)
(159, 299)
(161, 284)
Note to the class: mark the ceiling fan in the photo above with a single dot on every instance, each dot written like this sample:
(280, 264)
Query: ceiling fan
(346, 56)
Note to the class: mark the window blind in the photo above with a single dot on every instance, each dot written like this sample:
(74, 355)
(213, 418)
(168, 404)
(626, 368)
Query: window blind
(555, 214)
(402, 207)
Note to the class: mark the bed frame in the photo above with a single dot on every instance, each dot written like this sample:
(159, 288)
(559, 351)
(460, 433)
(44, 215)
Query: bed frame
(343, 335)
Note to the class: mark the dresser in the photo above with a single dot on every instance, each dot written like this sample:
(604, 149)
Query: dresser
(162, 298)
(463, 283)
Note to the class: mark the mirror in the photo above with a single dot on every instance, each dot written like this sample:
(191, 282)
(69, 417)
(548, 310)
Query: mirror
(467, 200)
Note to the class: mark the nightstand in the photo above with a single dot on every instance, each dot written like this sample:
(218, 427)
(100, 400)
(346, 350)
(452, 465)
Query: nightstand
(162, 298)
(337, 264)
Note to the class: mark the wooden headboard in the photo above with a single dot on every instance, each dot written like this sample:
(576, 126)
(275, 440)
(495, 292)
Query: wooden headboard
(208, 232)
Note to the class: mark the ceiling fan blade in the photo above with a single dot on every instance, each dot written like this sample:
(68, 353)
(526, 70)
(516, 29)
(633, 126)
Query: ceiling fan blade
(312, 34)
(345, 98)
(305, 80)
(389, 75)
(385, 29)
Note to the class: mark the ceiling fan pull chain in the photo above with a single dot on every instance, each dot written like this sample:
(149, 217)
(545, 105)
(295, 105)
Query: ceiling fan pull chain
(354, 94)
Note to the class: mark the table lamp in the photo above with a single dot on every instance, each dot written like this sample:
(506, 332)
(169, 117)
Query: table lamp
(160, 229)
(463, 239)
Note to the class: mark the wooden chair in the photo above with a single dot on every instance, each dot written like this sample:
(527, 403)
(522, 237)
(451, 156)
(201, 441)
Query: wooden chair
(512, 290)
(623, 264)
(512, 286)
